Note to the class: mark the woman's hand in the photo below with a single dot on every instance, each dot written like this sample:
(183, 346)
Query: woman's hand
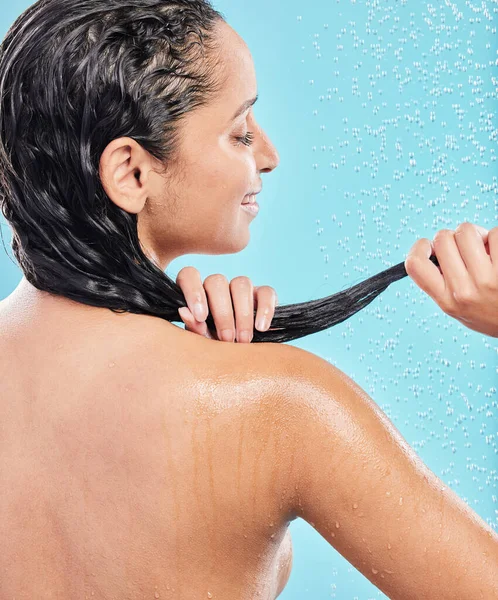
(465, 285)
(231, 305)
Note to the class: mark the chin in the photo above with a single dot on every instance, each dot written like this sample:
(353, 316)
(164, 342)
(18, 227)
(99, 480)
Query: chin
(240, 242)
(234, 248)
(231, 246)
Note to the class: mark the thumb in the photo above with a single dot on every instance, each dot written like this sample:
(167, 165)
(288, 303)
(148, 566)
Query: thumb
(483, 232)
(191, 324)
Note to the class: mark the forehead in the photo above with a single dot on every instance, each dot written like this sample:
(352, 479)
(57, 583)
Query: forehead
(238, 76)
(237, 65)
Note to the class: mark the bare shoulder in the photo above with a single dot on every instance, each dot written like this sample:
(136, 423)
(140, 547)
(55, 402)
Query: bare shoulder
(250, 399)
(309, 381)
(283, 388)
(300, 378)
(367, 492)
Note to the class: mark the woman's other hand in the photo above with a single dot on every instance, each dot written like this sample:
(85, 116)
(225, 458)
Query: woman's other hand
(465, 285)
(231, 305)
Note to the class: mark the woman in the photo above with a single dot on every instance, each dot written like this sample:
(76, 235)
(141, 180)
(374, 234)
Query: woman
(139, 460)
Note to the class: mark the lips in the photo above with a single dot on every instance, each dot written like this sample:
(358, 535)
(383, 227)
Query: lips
(250, 199)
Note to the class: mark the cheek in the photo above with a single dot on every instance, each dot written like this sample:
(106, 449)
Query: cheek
(223, 171)
(228, 185)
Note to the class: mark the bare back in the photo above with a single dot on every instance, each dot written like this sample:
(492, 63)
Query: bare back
(136, 459)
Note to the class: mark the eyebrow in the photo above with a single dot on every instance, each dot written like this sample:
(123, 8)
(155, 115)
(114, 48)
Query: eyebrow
(244, 107)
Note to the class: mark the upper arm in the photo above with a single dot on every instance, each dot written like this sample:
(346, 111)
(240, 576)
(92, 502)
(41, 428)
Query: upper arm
(366, 491)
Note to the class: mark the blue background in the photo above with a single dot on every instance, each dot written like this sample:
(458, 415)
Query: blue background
(383, 113)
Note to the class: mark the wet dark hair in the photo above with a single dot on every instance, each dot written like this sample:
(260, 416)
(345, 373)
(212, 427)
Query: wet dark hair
(75, 75)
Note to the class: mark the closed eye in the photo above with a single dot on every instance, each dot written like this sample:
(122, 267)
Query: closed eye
(247, 139)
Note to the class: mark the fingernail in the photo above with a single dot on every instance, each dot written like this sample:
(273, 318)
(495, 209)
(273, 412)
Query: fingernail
(184, 313)
(244, 336)
(261, 323)
(227, 335)
(199, 312)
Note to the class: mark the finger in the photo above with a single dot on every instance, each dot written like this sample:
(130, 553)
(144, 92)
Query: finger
(450, 260)
(470, 242)
(424, 272)
(256, 288)
(493, 246)
(485, 238)
(189, 280)
(220, 305)
(242, 292)
(266, 303)
(191, 324)
(484, 233)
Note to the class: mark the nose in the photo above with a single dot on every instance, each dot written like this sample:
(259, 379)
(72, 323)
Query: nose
(268, 158)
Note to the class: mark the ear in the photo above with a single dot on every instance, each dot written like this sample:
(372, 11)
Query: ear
(123, 170)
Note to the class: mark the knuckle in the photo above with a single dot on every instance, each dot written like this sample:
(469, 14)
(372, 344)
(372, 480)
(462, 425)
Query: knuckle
(243, 309)
(268, 292)
(463, 297)
(244, 314)
(244, 320)
(411, 262)
(465, 227)
(267, 289)
(449, 308)
(186, 272)
(240, 282)
(490, 284)
(442, 234)
(224, 320)
(419, 248)
(215, 280)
